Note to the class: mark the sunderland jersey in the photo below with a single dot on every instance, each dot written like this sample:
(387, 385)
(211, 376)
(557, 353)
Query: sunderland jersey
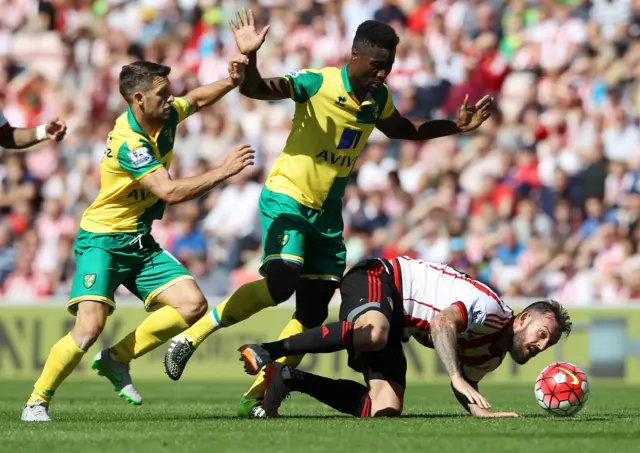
(428, 288)
(123, 205)
(330, 127)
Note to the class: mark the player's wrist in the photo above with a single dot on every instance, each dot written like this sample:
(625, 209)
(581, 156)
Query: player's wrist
(41, 133)
(477, 411)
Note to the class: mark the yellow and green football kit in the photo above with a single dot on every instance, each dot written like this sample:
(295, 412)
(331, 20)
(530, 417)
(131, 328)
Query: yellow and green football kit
(114, 246)
(301, 203)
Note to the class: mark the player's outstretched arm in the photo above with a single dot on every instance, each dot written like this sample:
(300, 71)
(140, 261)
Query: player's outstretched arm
(474, 409)
(469, 119)
(22, 137)
(171, 191)
(210, 94)
(445, 328)
(249, 41)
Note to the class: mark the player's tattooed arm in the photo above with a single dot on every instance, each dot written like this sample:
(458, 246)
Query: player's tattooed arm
(469, 119)
(444, 330)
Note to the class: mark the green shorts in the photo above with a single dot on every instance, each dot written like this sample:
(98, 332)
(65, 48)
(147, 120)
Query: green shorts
(309, 237)
(106, 261)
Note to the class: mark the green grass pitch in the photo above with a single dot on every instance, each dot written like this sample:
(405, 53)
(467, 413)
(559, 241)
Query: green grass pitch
(200, 417)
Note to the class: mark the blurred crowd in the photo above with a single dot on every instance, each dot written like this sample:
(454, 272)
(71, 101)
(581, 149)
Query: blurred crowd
(544, 200)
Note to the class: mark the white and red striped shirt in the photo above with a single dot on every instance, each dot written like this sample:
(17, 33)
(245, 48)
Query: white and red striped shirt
(428, 288)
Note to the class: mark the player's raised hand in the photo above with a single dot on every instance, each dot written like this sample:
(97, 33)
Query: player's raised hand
(56, 129)
(238, 159)
(473, 396)
(236, 69)
(244, 31)
(471, 117)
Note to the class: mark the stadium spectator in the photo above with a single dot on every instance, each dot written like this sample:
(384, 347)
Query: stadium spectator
(545, 196)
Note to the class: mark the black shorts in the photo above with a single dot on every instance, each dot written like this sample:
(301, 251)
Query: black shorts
(371, 285)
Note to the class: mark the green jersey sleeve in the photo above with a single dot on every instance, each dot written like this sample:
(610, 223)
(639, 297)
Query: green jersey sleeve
(304, 84)
(138, 161)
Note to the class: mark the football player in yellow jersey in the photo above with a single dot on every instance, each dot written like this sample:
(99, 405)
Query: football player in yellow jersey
(301, 203)
(114, 245)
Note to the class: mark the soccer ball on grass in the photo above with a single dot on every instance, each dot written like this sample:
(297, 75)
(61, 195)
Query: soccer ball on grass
(562, 389)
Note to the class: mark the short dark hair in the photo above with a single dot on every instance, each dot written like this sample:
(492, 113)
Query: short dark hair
(373, 33)
(138, 76)
(550, 306)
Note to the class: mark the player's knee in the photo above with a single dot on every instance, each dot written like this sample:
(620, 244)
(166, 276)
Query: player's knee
(371, 331)
(378, 336)
(89, 327)
(282, 280)
(193, 309)
(87, 330)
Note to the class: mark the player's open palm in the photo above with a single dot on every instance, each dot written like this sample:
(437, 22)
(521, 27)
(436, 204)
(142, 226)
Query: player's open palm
(473, 396)
(247, 37)
(471, 117)
(238, 159)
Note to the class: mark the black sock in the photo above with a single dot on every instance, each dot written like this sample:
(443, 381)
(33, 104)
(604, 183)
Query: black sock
(343, 395)
(331, 337)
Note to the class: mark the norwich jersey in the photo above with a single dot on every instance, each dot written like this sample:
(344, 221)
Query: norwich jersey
(330, 128)
(123, 205)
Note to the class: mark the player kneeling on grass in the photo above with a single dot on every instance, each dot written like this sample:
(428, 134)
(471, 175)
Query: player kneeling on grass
(114, 245)
(385, 303)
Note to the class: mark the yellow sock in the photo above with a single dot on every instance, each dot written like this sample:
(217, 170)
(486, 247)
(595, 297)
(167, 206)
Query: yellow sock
(151, 333)
(292, 328)
(248, 300)
(63, 358)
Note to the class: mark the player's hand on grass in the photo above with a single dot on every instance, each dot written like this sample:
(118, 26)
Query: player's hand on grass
(247, 37)
(471, 117)
(56, 129)
(240, 158)
(236, 69)
(483, 413)
(473, 396)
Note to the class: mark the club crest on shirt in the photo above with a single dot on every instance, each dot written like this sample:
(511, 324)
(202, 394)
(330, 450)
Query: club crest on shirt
(475, 316)
(282, 239)
(89, 280)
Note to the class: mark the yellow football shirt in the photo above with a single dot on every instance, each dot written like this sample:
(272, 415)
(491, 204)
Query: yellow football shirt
(123, 205)
(330, 128)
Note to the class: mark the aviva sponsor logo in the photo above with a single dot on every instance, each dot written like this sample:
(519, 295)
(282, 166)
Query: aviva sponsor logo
(337, 159)
(139, 194)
